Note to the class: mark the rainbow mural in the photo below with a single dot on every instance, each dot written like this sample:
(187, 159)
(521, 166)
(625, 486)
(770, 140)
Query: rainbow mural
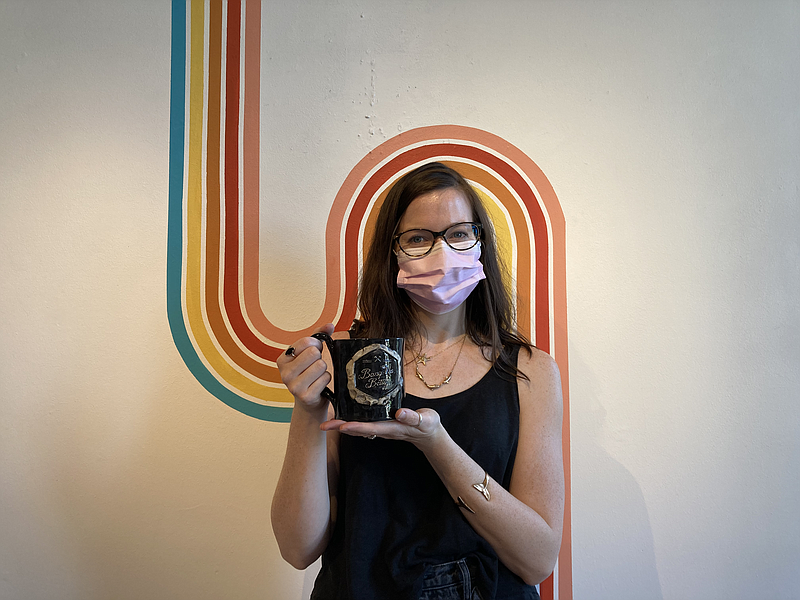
(213, 303)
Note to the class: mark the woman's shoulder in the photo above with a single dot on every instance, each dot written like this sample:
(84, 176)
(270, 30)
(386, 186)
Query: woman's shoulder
(536, 360)
(543, 376)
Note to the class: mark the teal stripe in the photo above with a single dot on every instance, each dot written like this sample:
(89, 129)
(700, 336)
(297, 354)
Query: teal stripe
(177, 127)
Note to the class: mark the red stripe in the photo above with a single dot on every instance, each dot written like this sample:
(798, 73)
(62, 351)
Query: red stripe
(233, 307)
(546, 588)
(213, 209)
(370, 189)
(516, 182)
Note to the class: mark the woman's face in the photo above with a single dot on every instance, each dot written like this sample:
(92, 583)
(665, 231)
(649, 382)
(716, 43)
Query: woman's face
(436, 211)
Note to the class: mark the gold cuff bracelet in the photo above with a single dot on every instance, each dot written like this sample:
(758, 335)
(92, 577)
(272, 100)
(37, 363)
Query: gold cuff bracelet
(483, 488)
(461, 504)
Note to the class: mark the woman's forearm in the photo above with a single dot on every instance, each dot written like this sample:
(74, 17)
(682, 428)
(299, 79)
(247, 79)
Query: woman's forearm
(523, 540)
(301, 506)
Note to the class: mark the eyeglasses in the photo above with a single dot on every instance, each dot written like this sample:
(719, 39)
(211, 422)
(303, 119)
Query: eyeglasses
(419, 242)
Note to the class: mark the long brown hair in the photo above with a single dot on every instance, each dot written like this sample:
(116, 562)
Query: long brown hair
(386, 310)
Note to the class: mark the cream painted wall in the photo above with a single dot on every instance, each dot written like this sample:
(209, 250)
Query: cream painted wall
(671, 133)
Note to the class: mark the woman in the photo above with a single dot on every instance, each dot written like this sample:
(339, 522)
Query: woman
(462, 496)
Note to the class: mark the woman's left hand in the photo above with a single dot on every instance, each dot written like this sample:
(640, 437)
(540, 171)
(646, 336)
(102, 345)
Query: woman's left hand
(416, 426)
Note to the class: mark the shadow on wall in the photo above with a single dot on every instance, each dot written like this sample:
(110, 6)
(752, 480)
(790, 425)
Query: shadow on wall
(611, 534)
(310, 576)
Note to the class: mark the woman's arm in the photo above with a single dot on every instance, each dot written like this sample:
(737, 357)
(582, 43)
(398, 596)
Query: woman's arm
(302, 515)
(523, 524)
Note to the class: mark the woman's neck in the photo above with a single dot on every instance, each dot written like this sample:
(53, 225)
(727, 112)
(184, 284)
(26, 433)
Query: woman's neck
(438, 329)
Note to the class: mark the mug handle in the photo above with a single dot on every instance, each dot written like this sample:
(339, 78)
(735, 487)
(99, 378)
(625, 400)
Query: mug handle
(326, 393)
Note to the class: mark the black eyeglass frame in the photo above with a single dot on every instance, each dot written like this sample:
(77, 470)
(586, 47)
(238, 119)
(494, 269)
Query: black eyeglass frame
(440, 234)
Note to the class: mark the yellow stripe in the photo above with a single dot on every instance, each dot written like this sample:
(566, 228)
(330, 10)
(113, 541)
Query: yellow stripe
(502, 232)
(195, 225)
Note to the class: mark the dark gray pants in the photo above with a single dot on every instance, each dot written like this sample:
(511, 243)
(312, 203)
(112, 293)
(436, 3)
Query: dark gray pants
(450, 581)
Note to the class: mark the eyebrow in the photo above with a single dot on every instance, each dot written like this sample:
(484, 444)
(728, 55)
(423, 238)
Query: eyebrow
(431, 230)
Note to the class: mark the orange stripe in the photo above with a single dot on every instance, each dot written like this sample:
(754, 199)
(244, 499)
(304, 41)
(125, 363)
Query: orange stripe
(194, 212)
(251, 148)
(251, 158)
(559, 308)
(213, 212)
(557, 224)
(506, 198)
(231, 278)
(541, 333)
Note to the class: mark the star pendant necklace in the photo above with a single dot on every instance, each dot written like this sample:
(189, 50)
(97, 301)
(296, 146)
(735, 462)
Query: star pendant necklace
(422, 359)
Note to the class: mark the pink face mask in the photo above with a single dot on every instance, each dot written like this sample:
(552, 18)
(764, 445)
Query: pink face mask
(441, 280)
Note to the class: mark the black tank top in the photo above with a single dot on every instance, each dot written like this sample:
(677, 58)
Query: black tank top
(395, 516)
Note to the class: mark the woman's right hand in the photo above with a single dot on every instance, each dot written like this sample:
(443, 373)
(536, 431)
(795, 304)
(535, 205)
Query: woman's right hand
(306, 374)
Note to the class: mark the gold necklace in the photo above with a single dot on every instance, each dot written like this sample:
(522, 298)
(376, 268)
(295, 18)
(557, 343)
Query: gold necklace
(422, 358)
(449, 375)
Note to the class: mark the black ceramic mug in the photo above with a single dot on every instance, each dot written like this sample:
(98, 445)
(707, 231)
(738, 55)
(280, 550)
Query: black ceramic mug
(367, 377)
